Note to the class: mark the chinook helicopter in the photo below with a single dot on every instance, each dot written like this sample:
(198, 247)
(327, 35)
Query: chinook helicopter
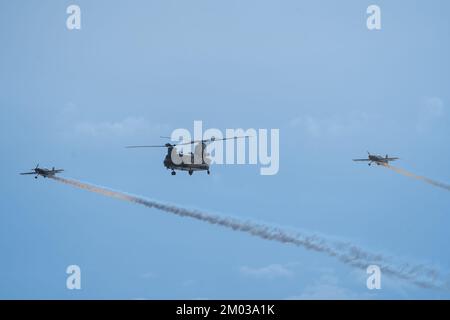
(190, 162)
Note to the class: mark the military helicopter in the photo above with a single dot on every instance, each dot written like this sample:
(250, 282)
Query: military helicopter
(190, 162)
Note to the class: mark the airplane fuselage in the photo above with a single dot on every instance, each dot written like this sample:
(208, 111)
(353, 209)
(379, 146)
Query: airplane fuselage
(378, 159)
(44, 172)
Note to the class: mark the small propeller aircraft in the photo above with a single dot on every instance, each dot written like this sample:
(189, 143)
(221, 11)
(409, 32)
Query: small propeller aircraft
(193, 161)
(379, 160)
(43, 172)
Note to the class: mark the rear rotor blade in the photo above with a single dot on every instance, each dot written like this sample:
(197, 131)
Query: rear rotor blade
(212, 140)
(228, 138)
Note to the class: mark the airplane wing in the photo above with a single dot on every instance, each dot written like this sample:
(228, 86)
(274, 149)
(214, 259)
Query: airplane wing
(28, 173)
(361, 160)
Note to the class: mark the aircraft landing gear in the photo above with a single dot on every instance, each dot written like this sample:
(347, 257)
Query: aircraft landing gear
(191, 172)
(173, 173)
(208, 172)
(35, 177)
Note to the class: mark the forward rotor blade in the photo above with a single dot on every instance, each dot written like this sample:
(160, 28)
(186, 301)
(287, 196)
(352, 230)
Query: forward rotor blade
(158, 146)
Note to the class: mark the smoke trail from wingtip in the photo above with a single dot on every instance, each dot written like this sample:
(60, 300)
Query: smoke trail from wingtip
(347, 253)
(414, 176)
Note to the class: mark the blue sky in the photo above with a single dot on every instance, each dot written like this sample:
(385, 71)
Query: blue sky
(140, 69)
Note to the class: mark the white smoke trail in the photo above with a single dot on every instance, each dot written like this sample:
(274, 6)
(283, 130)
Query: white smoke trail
(414, 176)
(350, 254)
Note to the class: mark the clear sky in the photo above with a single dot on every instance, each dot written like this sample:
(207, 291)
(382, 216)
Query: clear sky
(140, 69)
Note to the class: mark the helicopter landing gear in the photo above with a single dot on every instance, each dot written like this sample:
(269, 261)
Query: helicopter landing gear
(190, 172)
(173, 172)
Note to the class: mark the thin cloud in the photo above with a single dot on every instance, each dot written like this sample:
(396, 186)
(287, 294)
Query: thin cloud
(130, 126)
(327, 286)
(430, 111)
(148, 275)
(189, 283)
(433, 107)
(330, 126)
(73, 124)
(270, 271)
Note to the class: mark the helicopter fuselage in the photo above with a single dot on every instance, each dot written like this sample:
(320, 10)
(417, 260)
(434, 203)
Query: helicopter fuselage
(186, 162)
